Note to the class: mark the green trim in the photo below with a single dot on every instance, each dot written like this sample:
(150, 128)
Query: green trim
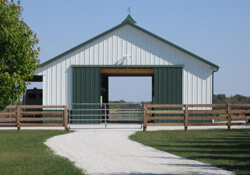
(129, 22)
(153, 66)
(81, 45)
(177, 47)
(129, 19)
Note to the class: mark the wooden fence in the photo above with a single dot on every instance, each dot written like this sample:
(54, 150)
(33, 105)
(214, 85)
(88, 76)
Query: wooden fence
(196, 115)
(22, 116)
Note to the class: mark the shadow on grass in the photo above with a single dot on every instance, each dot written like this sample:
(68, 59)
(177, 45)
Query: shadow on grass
(227, 150)
(201, 166)
(214, 146)
(205, 151)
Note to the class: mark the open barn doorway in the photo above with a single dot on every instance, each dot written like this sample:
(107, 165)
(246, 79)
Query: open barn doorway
(130, 89)
(122, 92)
(126, 95)
(127, 84)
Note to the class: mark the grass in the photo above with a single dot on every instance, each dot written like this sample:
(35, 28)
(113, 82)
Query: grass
(24, 152)
(229, 150)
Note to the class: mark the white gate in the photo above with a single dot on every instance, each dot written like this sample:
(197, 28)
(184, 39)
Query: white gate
(106, 113)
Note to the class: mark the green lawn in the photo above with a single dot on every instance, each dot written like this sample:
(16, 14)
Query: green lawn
(24, 153)
(228, 150)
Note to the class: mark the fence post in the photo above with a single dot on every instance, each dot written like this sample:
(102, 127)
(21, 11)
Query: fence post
(105, 115)
(145, 121)
(141, 113)
(18, 118)
(186, 117)
(66, 117)
(229, 116)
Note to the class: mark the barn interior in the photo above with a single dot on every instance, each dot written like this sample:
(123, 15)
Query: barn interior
(34, 94)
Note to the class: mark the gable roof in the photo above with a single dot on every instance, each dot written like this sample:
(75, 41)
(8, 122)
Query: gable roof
(130, 21)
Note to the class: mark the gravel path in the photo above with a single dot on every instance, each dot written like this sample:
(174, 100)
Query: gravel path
(109, 151)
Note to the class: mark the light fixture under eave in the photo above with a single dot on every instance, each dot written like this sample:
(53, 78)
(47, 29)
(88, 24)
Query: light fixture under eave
(127, 56)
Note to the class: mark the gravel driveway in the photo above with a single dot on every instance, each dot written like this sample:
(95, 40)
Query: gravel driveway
(109, 151)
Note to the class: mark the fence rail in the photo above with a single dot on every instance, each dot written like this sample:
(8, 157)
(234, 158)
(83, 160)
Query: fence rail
(153, 115)
(196, 115)
(18, 116)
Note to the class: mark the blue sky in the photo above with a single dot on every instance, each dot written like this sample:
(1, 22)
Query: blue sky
(217, 30)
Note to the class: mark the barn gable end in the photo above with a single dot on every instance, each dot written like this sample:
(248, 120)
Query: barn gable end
(127, 45)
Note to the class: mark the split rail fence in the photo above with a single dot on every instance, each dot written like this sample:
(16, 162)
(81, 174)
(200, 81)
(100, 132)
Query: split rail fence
(154, 115)
(196, 115)
(26, 116)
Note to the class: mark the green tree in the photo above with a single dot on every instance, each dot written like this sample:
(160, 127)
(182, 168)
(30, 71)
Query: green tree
(18, 53)
(237, 99)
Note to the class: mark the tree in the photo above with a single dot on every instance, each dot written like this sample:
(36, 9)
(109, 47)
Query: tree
(18, 53)
(237, 99)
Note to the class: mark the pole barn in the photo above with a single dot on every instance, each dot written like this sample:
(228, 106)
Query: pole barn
(80, 75)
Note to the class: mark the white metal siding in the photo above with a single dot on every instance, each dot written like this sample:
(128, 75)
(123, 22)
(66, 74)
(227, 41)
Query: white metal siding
(141, 49)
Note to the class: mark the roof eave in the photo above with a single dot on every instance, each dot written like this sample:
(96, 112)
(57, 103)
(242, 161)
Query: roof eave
(81, 45)
(178, 47)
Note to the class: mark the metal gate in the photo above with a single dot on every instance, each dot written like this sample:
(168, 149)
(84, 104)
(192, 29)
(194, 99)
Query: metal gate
(106, 113)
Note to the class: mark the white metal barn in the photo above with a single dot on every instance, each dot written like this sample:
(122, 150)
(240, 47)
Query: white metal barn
(80, 74)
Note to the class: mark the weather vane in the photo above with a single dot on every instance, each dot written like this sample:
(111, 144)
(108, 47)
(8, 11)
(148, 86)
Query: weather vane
(129, 10)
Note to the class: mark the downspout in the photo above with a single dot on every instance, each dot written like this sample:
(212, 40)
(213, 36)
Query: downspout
(213, 87)
(213, 70)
